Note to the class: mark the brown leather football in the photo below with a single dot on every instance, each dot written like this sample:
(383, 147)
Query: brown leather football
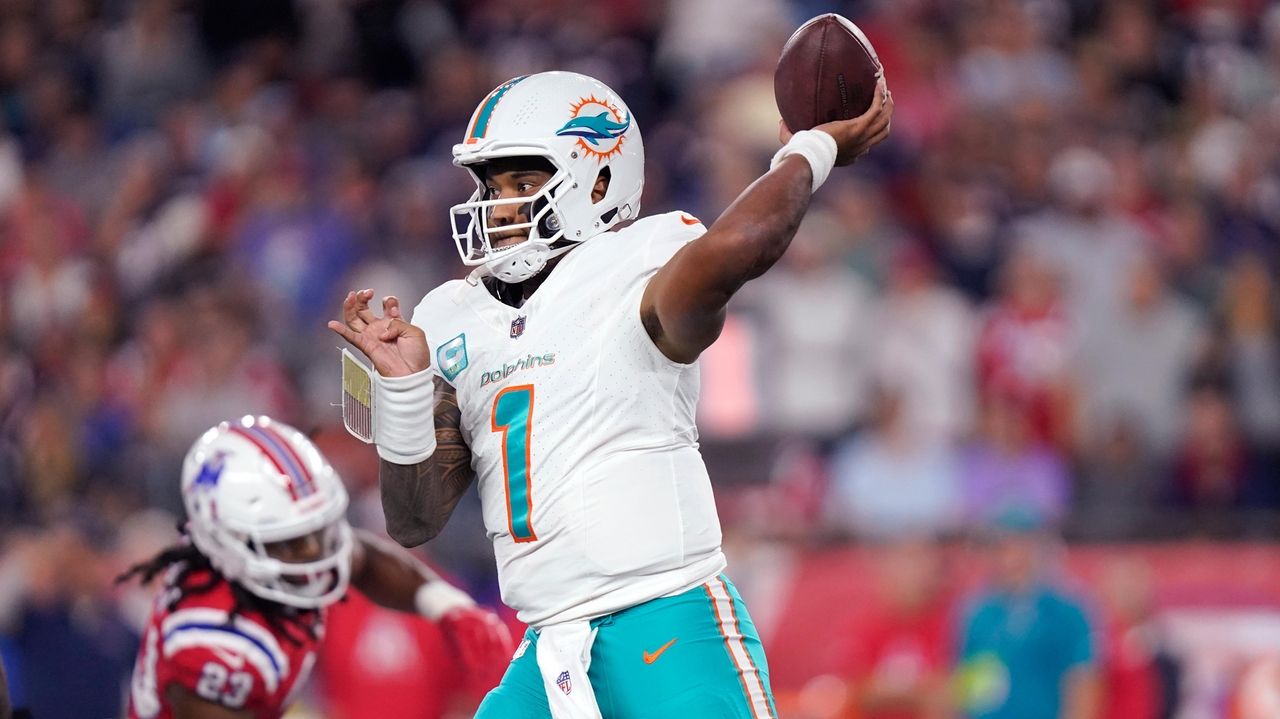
(828, 71)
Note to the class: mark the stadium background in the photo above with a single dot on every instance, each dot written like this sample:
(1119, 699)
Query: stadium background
(1050, 299)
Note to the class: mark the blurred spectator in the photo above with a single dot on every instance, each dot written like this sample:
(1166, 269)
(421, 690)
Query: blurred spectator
(1009, 61)
(1251, 303)
(819, 317)
(1142, 53)
(1137, 362)
(900, 650)
(892, 482)
(295, 249)
(105, 425)
(1083, 237)
(1212, 464)
(926, 333)
(1006, 469)
(1119, 484)
(150, 229)
(700, 40)
(74, 649)
(870, 235)
(1139, 678)
(1027, 648)
(152, 60)
(1024, 351)
(964, 214)
(47, 282)
(51, 456)
(1186, 246)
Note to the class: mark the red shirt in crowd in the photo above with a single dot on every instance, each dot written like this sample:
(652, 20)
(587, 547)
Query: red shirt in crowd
(899, 650)
(1024, 356)
(1130, 678)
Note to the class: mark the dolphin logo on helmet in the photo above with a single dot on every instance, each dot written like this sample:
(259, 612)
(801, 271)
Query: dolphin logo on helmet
(594, 128)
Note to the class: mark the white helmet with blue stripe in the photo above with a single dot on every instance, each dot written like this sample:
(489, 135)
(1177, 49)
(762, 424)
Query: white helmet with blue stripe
(584, 129)
(256, 482)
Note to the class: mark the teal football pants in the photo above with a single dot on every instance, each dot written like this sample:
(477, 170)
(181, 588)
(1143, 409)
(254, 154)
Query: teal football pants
(696, 654)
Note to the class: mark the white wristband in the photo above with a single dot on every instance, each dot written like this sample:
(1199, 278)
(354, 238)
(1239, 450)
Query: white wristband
(406, 408)
(817, 147)
(437, 598)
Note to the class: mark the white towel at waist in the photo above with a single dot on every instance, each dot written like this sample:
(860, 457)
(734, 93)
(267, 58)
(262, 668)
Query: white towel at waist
(564, 657)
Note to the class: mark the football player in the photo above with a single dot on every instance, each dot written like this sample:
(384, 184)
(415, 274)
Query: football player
(563, 374)
(234, 631)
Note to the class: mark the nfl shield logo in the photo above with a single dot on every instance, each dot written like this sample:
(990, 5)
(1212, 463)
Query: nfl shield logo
(563, 682)
(517, 327)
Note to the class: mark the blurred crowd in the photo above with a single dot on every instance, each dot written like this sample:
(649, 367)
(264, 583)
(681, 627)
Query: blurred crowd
(1053, 291)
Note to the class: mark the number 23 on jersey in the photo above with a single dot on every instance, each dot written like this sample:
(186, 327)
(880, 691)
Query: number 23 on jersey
(513, 417)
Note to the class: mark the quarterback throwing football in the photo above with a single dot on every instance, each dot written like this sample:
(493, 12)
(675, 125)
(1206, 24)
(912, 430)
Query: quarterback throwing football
(563, 374)
(233, 634)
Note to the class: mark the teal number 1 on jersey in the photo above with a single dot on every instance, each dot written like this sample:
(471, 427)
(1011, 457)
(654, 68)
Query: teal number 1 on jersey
(513, 417)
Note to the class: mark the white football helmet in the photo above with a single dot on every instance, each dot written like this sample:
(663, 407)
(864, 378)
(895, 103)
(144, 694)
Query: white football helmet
(252, 482)
(581, 127)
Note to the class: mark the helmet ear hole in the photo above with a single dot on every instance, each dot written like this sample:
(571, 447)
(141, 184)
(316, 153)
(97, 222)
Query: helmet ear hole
(548, 222)
(601, 186)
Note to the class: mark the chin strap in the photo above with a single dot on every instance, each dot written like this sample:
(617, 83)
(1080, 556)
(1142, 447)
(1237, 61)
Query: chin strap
(516, 268)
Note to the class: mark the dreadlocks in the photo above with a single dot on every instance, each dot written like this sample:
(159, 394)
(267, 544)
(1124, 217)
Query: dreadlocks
(286, 621)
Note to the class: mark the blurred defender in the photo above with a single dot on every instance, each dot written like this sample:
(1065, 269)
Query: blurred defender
(233, 634)
(565, 377)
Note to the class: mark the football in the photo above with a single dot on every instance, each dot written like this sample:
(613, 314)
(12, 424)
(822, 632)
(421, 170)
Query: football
(828, 71)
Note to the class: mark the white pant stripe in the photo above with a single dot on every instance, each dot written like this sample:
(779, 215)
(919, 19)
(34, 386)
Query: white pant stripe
(727, 618)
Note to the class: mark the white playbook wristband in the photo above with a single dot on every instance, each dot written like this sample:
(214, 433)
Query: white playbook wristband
(406, 420)
(437, 598)
(817, 147)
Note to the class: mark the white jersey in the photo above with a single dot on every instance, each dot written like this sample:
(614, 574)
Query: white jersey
(581, 431)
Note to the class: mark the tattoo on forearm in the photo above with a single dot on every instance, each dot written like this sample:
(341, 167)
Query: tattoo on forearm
(418, 499)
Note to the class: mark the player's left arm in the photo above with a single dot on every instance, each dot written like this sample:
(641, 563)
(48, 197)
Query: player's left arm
(418, 499)
(389, 576)
(393, 578)
(683, 306)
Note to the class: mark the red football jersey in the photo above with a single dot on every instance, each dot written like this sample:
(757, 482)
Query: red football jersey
(241, 664)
